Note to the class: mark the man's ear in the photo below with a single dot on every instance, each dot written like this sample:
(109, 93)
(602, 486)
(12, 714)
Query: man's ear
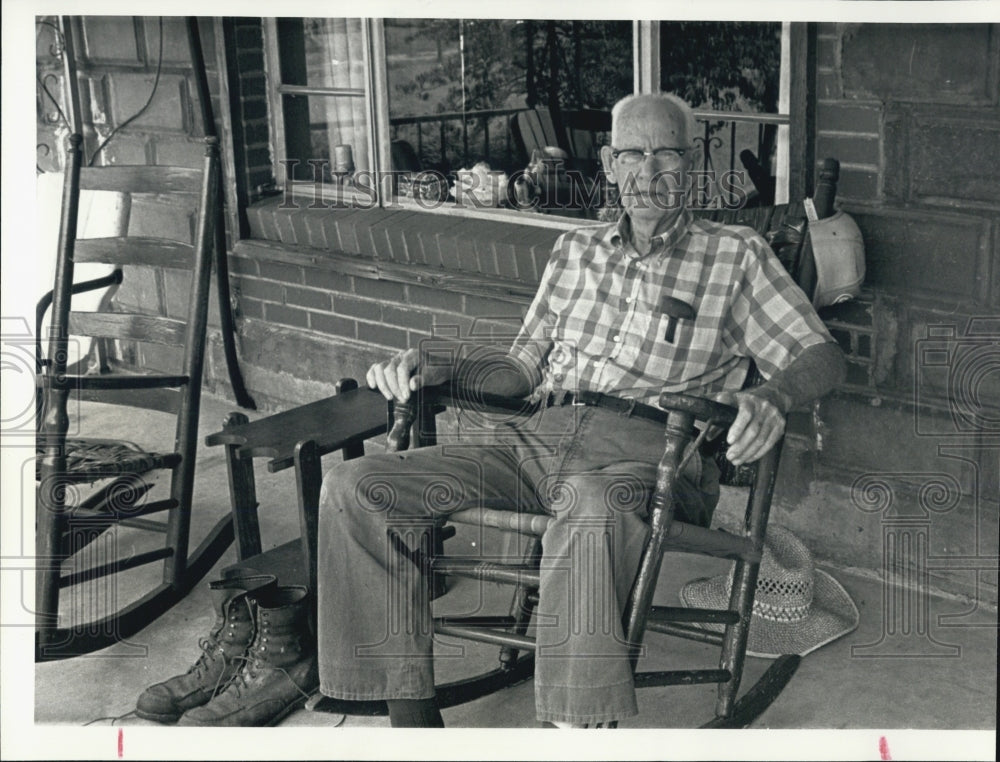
(608, 163)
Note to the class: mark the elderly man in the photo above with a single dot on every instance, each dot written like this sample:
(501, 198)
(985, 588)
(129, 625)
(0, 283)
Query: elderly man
(593, 327)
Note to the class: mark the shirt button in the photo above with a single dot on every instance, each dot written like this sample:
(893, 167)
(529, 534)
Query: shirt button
(628, 300)
(558, 376)
(616, 337)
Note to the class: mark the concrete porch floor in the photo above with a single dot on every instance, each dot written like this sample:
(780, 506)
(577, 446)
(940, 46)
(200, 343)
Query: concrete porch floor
(941, 679)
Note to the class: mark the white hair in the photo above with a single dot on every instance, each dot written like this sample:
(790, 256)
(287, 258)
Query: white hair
(678, 103)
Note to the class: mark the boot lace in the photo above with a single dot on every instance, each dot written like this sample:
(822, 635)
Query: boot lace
(250, 668)
(210, 651)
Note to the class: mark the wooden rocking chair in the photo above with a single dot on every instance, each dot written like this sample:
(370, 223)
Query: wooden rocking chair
(67, 522)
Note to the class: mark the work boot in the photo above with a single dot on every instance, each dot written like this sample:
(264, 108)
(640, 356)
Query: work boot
(222, 651)
(278, 673)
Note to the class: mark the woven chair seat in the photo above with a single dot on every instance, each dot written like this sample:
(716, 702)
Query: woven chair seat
(89, 460)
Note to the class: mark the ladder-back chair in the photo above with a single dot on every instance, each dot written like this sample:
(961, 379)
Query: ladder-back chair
(88, 486)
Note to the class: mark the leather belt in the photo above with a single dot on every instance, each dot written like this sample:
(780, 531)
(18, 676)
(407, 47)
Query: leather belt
(623, 407)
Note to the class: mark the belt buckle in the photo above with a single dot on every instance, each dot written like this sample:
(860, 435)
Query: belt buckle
(576, 401)
(627, 412)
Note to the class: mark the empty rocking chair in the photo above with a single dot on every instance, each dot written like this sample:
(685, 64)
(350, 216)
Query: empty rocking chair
(73, 520)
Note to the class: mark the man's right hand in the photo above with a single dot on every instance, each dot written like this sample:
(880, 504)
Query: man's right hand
(403, 374)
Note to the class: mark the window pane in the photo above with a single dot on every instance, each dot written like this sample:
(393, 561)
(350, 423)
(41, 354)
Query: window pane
(328, 129)
(722, 65)
(728, 66)
(332, 129)
(322, 52)
(464, 91)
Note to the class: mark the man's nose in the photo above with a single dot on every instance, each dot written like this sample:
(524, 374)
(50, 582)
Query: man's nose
(648, 166)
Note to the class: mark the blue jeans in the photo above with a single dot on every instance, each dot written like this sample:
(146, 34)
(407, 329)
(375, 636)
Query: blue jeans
(592, 470)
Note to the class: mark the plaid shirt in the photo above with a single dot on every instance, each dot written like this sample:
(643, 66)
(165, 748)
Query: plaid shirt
(595, 323)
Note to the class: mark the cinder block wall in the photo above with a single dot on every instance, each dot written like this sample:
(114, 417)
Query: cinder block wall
(912, 439)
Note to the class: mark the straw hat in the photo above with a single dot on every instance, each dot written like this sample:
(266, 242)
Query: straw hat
(797, 608)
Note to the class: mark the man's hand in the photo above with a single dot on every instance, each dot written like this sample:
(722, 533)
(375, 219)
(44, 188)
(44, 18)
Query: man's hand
(758, 426)
(403, 374)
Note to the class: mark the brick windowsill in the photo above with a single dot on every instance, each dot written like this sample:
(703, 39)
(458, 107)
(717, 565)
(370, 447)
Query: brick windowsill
(449, 249)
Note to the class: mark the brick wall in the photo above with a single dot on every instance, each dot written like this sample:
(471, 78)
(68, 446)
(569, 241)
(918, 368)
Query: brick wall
(246, 119)
(358, 284)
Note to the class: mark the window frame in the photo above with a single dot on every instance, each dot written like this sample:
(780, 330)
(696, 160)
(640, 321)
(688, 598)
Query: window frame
(319, 192)
(791, 147)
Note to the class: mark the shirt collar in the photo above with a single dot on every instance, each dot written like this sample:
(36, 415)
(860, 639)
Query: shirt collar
(662, 243)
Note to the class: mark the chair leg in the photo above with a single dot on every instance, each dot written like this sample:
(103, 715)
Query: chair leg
(50, 527)
(661, 514)
(179, 521)
(182, 485)
(308, 480)
(523, 604)
(242, 495)
(50, 514)
(734, 644)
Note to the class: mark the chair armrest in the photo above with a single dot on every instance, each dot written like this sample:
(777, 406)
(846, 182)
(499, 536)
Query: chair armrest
(45, 302)
(332, 423)
(430, 400)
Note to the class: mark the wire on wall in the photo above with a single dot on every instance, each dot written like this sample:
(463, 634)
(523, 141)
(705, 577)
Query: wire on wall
(141, 111)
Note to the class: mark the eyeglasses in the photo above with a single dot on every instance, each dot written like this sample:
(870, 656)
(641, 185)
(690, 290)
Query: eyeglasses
(633, 157)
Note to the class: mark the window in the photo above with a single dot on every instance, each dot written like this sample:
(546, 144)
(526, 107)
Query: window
(321, 95)
(730, 72)
(449, 113)
(475, 100)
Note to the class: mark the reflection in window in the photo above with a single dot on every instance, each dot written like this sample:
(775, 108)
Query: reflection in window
(497, 97)
(733, 67)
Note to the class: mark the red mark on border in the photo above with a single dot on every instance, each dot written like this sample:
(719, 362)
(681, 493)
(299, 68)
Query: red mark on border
(121, 743)
(883, 749)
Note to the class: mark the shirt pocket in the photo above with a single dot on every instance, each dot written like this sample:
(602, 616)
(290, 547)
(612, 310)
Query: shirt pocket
(683, 332)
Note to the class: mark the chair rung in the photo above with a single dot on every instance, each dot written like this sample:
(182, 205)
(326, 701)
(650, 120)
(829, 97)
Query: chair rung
(686, 538)
(689, 631)
(497, 637)
(126, 325)
(112, 381)
(682, 677)
(511, 521)
(135, 250)
(149, 526)
(685, 614)
(139, 488)
(141, 179)
(114, 567)
(83, 472)
(487, 570)
(143, 510)
(476, 621)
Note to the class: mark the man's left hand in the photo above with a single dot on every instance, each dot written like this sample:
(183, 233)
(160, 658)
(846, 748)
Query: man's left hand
(758, 426)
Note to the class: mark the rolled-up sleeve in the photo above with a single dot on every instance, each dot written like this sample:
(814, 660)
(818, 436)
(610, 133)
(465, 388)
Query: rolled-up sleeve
(771, 319)
(534, 340)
